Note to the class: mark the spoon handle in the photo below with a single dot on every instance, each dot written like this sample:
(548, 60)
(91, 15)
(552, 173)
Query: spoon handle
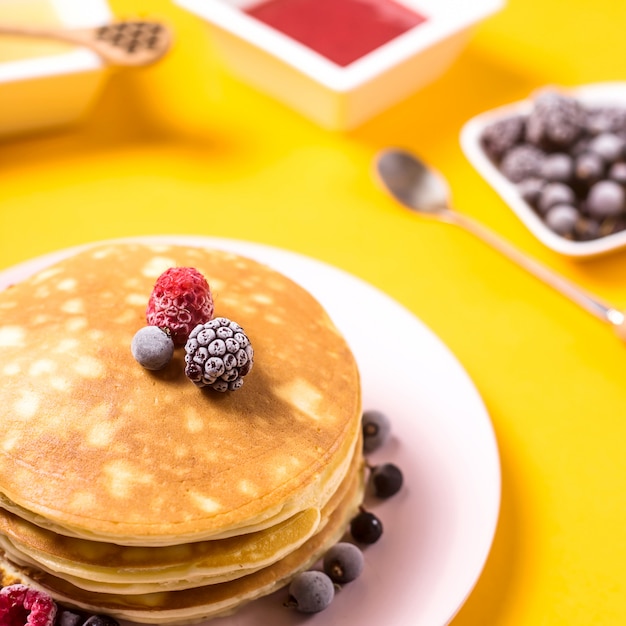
(590, 303)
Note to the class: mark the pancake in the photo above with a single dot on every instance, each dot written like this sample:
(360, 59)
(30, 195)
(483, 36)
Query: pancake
(95, 446)
(110, 568)
(195, 605)
(135, 493)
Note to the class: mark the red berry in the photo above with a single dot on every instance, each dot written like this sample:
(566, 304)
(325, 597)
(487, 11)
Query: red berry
(22, 606)
(180, 300)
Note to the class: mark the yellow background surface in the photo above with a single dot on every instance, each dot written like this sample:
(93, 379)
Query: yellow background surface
(184, 147)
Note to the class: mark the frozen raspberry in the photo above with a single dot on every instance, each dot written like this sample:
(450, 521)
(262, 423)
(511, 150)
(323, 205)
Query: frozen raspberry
(218, 354)
(556, 121)
(22, 606)
(180, 300)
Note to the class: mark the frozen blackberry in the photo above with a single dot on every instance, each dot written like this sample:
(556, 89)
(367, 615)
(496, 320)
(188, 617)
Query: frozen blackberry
(558, 167)
(523, 161)
(556, 121)
(606, 120)
(344, 562)
(553, 194)
(67, 617)
(561, 219)
(500, 136)
(606, 199)
(218, 354)
(311, 591)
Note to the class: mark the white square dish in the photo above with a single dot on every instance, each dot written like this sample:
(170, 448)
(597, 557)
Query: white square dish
(591, 95)
(341, 97)
(46, 90)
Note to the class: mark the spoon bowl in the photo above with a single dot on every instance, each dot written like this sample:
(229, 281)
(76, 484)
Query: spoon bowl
(123, 43)
(421, 189)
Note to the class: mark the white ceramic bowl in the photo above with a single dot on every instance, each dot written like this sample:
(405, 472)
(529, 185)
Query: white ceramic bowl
(598, 94)
(52, 90)
(338, 97)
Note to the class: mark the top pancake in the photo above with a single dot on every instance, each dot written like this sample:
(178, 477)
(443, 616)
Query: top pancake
(94, 445)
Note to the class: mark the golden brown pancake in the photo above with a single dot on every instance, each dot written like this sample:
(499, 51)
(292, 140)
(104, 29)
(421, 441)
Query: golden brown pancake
(97, 446)
(212, 498)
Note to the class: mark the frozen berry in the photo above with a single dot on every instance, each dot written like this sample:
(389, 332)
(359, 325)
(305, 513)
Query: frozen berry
(607, 146)
(218, 354)
(588, 168)
(558, 167)
(311, 591)
(556, 120)
(376, 428)
(523, 161)
(553, 194)
(366, 528)
(561, 218)
(500, 136)
(23, 606)
(530, 189)
(606, 199)
(607, 119)
(586, 229)
(344, 562)
(67, 617)
(618, 173)
(101, 620)
(152, 347)
(180, 300)
(386, 479)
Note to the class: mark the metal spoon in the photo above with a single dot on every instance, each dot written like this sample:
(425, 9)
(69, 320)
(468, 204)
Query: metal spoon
(131, 43)
(421, 189)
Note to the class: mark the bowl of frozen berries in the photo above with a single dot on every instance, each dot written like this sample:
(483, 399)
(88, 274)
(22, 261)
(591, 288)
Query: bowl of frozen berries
(558, 159)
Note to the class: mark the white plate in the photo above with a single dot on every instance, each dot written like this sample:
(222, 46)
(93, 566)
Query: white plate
(438, 530)
(597, 94)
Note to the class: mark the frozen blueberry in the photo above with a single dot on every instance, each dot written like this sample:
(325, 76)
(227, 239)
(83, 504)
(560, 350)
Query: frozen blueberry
(101, 620)
(311, 592)
(386, 479)
(530, 189)
(376, 429)
(607, 146)
(67, 617)
(152, 347)
(366, 528)
(606, 198)
(553, 194)
(344, 562)
(561, 218)
(617, 172)
(588, 168)
(558, 167)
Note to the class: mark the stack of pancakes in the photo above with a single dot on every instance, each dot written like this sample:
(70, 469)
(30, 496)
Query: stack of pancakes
(135, 493)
